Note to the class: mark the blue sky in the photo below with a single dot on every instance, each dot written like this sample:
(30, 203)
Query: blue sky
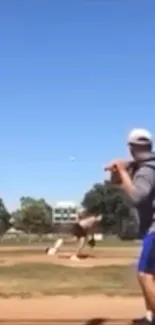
(75, 77)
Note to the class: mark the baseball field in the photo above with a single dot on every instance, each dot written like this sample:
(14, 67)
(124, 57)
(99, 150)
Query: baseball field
(41, 288)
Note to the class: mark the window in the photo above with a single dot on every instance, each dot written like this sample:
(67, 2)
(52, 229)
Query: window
(57, 218)
(57, 211)
(65, 211)
(64, 218)
(73, 211)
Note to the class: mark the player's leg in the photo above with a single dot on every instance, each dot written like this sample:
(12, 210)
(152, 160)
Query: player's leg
(78, 252)
(149, 315)
(146, 278)
(80, 233)
(84, 239)
(91, 242)
(54, 249)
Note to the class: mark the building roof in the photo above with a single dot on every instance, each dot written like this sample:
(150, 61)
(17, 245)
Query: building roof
(66, 204)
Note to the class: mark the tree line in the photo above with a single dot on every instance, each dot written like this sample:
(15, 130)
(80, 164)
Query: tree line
(35, 215)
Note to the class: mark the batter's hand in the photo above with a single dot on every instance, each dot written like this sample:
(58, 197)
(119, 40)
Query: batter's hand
(116, 165)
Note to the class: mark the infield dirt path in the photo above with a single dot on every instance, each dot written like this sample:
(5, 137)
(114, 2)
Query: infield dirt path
(65, 307)
(64, 260)
(102, 256)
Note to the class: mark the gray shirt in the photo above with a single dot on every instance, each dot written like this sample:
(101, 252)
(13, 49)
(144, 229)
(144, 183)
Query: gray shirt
(143, 197)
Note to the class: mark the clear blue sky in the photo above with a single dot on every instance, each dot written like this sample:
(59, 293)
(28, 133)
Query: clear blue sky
(75, 77)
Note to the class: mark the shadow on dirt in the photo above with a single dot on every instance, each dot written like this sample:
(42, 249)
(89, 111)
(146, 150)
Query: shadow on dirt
(96, 321)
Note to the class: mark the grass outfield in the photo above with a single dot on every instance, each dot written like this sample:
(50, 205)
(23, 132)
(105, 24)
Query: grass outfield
(41, 279)
(108, 241)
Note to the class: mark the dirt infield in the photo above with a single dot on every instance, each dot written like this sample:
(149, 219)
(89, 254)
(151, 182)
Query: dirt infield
(63, 308)
(93, 321)
(64, 259)
(101, 256)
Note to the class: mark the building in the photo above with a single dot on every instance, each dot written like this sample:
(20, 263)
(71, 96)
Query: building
(64, 215)
(65, 212)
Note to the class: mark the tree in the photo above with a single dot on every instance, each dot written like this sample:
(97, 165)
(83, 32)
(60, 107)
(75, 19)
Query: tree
(4, 218)
(34, 216)
(110, 201)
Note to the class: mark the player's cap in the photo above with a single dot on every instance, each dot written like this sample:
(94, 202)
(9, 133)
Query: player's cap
(140, 137)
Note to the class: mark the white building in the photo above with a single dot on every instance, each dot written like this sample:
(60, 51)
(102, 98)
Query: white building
(65, 212)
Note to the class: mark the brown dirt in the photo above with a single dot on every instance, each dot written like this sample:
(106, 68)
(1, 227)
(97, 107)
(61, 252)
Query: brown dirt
(102, 256)
(90, 261)
(64, 259)
(71, 308)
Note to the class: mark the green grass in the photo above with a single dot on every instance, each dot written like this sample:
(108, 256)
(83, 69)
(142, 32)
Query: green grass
(22, 252)
(27, 280)
(108, 241)
(100, 252)
(115, 241)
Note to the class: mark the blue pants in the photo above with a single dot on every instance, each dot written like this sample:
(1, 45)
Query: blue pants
(147, 258)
